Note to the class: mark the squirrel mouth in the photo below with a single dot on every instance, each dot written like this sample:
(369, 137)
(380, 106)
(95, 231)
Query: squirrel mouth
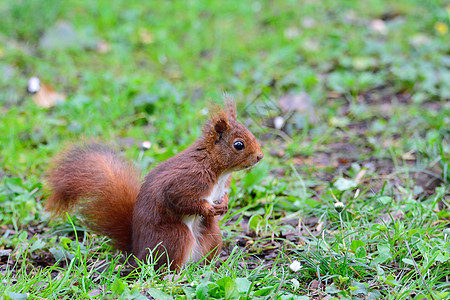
(251, 166)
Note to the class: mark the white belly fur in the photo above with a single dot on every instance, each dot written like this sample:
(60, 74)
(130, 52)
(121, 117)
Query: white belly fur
(219, 189)
(194, 222)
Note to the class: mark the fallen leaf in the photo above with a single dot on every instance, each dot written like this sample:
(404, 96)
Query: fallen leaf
(360, 175)
(379, 26)
(409, 155)
(46, 97)
(319, 226)
(314, 284)
(300, 102)
(145, 36)
(343, 184)
(94, 292)
(5, 252)
(319, 160)
(103, 47)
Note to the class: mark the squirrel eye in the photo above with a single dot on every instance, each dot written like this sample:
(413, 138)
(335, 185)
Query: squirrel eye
(238, 145)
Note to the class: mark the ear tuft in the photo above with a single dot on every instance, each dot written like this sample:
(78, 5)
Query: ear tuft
(230, 106)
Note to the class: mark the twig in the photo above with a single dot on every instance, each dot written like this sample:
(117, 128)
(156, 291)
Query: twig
(417, 269)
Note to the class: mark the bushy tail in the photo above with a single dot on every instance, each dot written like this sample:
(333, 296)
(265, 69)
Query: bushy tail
(100, 185)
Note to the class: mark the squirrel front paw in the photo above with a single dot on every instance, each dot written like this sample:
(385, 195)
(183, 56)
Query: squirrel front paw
(209, 211)
(221, 208)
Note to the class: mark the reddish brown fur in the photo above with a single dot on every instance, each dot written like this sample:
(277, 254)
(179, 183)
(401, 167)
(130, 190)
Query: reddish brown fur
(173, 190)
(99, 184)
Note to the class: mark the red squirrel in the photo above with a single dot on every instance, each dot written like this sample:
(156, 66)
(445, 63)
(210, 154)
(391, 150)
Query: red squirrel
(174, 212)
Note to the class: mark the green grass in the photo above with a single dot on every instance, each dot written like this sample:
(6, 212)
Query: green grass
(373, 135)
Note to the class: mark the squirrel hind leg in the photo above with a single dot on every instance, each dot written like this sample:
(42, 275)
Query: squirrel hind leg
(174, 248)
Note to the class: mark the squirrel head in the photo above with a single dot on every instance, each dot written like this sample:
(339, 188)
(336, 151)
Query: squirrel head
(229, 144)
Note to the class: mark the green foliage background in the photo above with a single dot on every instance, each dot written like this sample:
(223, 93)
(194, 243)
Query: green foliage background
(373, 134)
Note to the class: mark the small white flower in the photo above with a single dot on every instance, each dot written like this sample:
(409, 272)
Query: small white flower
(34, 85)
(278, 122)
(295, 283)
(146, 145)
(205, 111)
(339, 206)
(295, 266)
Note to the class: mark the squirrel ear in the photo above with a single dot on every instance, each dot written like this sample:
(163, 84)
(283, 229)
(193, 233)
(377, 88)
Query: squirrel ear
(230, 106)
(221, 125)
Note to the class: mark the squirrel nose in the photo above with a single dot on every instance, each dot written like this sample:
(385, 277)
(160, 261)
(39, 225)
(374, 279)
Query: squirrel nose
(259, 157)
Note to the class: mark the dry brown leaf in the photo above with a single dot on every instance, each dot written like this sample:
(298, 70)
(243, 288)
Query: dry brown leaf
(378, 26)
(410, 155)
(145, 36)
(300, 102)
(360, 175)
(46, 97)
(319, 226)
